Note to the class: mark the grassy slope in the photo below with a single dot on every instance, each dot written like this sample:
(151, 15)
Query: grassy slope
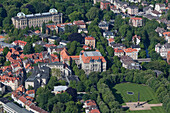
(146, 94)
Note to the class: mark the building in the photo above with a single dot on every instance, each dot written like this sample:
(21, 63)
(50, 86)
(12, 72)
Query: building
(160, 31)
(118, 45)
(132, 10)
(12, 82)
(80, 23)
(168, 57)
(134, 1)
(39, 77)
(22, 20)
(2, 88)
(104, 5)
(90, 41)
(136, 22)
(118, 52)
(10, 107)
(167, 36)
(19, 43)
(129, 63)
(159, 7)
(156, 13)
(136, 39)
(91, 61)
(147, 10)
(104, 25)
(162, 49)
(133, 53)
(108, 34)
(59, 89)
(91, 106)
(111, 41)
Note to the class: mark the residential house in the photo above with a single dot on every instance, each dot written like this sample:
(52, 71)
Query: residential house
(104, 25)
(118, 45)
(85, 47)
(119, 5)
(144, 3)
(55, 49)
(12, 82)
(159, 7)
(2, 88)
(38, 78)
(162, 49)
(65, 58)
(104, 5)
(114, 9)
(91, 61)
(53, 39)
(133, 53)
(90, 41)
(42, 43)
(111, 41)
(118, 52)
(108, 34)
(134, 1)
(137, 47)
(132, 10)
(156, 13)
(90, 106)
(136, 22)
(129, 63)
(167, 36)
(19, 43)
(59, 89)
(160, 31)
(136, 39)
(61, 27)
(147, 10)
(80, 23)
(80, 30)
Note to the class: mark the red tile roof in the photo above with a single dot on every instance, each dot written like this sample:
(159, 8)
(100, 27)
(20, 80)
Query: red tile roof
(79, 22)
(136, 18)
(111, 40)
(23, 99)
(63, 25)
(86, 59)
(30, 92)
(90, 103)
(129, 50)
(116, 50)
(89, 38)
(136, 36)
(85, 47)
(19, 42)
(2, 36)
(94, 111)
(37, 32)
(166, 33)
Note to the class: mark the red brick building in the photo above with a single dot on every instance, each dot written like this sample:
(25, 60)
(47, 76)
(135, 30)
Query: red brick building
(104, 5)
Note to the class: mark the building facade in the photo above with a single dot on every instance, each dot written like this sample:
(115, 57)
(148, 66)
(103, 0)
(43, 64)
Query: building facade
(91, 61)
(133, 53)
(22, 20)
(136, 22)
(90, 41)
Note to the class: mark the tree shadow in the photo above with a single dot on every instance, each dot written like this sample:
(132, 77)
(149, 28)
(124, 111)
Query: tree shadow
(118, 97)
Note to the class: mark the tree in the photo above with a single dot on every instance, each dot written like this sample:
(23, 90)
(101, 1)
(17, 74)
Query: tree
(75, 16)
(58, 108)
(73, 92)
(43, 28)
(38, 48)
(5, 51)
(7, 63)
(28, 49)
(110, 51)
(92, 13)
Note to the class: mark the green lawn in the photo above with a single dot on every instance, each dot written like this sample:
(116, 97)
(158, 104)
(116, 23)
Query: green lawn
(153, 110)
(146, 94)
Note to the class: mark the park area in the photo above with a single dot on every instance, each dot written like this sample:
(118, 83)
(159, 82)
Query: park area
(128, 92)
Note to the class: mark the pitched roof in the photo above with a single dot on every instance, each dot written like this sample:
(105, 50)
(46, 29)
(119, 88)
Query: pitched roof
(116, 50)
(94, 111)
(129, 50)
(136, 18)
(89, 38)
(23, 99)
(111, 40)
(90, 103)
(88, 56)
(19, 42)
(79, 22)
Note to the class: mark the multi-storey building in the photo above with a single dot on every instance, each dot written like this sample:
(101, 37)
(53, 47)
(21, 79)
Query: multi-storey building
(162, 49)
(90, 41)
(22, 20)
(133, 53)
(91, 61)
(136, 21)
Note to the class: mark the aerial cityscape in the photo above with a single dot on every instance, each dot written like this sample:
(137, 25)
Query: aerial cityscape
(84, 56)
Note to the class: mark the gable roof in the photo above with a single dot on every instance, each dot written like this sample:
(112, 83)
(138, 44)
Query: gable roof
(129, 50)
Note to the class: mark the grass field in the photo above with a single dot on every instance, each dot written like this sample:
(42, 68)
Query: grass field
(153, 110)
(146, 94)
